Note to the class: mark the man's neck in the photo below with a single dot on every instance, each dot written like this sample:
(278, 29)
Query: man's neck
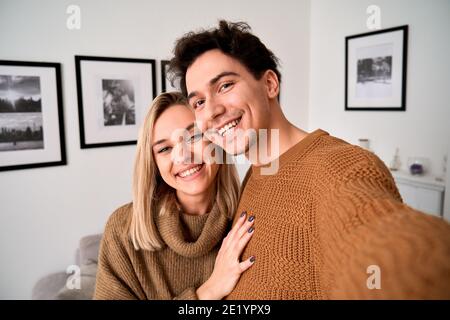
(288, 136)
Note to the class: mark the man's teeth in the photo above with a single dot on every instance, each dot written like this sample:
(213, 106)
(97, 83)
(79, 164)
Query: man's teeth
(190, 172)
(228, 126)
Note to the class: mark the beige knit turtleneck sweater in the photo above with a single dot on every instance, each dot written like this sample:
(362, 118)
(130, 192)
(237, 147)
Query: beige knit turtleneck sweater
(174, 272)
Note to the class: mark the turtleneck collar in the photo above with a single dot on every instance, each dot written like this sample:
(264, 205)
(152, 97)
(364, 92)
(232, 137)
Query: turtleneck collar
(190, 235)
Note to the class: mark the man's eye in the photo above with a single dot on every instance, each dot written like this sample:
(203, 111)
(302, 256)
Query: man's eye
(225, 86)
(198, 103)
(163, 149)
(195, 138)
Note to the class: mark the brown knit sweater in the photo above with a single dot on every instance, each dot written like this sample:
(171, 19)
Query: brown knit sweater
(175, 272)
(331, 211)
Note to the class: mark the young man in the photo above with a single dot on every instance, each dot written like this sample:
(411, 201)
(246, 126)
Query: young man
(329, 223)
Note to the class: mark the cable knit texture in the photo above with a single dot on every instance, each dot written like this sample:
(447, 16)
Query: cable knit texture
(174, 272)
(331, 211)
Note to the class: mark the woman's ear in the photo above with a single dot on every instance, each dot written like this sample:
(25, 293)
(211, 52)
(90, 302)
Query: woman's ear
(272, 84)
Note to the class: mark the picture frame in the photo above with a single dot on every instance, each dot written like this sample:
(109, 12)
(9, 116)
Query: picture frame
(113, 97)
(376, 70)
(31, 115)
(166, 85)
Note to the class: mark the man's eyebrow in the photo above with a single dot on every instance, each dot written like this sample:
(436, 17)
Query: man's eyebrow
(221, 75)
(214, 81)
(192, 94)
(189, 127)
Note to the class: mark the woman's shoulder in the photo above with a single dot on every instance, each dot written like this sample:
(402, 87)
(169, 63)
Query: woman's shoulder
(119, 221)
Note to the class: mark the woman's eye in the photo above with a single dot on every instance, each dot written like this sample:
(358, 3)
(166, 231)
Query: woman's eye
(163, 149)
(195, 138)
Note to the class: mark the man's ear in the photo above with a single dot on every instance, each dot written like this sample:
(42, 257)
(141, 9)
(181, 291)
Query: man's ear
(272, 84)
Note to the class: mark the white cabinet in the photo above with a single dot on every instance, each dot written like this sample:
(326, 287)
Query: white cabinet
(424, 193)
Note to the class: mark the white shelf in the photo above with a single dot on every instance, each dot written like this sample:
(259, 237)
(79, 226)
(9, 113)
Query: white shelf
(425, 181)
(425, 193)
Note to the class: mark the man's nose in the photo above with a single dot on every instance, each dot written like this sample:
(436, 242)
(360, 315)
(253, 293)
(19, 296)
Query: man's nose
(214, 108)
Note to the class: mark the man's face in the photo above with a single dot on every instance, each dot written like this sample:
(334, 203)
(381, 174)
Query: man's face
(227, 99)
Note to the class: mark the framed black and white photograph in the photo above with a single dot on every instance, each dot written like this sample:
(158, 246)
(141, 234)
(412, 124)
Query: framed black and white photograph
(31, 115)
(166, 85)
(375, 70)
(113, 97)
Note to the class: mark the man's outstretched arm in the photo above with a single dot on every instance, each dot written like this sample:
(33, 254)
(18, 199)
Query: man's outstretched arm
(374, 246)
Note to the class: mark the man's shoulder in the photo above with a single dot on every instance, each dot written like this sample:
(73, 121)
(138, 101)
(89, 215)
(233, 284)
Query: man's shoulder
(339, 157)
(331, 149)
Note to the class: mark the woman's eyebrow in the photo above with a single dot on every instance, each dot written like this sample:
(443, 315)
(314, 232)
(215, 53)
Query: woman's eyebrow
(159, 142)
(189, 127)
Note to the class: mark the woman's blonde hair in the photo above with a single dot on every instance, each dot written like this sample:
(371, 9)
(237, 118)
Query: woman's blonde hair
(152, 196)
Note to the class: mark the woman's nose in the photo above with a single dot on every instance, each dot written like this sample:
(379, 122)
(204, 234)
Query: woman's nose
(181, 154)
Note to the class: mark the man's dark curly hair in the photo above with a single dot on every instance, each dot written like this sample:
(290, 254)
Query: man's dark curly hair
(233, 39)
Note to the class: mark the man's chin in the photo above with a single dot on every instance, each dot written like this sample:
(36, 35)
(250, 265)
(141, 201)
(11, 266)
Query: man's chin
(236, 150)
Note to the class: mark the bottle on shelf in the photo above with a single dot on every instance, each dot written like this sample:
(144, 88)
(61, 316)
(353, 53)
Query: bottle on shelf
(395, 162)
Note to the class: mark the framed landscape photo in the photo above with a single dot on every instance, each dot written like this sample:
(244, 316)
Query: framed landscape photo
(113, 97)
(375, 70)
(31, 115)
(166, 85)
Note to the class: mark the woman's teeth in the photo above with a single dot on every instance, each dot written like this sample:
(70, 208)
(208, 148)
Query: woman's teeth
(190, 172)
(228, 126)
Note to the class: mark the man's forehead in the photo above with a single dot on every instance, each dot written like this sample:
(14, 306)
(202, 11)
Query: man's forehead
(208, 65)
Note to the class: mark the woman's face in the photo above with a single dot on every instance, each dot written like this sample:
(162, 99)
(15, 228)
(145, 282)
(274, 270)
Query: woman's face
(178, 150)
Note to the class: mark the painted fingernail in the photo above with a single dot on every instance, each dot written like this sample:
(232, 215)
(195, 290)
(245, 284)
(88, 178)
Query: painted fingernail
(252, 259)
(251, 218)
(243, 213)
(250, 230)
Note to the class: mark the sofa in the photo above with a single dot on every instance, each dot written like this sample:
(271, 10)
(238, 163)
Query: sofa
(65, 285)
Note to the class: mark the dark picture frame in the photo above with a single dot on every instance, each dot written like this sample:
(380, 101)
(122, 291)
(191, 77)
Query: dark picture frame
(166, 85)
(31, 115)
(113, 96)
(376, 70)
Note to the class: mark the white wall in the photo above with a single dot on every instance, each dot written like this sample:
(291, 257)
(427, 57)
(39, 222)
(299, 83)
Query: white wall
(424, 129)
(447, 187)
(44, 212)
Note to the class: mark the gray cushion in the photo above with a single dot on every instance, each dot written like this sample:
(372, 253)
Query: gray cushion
(89, 247)
(87, 285)
(53, 286)
(47, 287)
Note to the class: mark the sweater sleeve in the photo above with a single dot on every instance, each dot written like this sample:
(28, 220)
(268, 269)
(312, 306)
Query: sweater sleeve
(188, 294)
(374, 245)
(116, 279)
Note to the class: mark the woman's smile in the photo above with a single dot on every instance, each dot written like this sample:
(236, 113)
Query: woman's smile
(190, 173)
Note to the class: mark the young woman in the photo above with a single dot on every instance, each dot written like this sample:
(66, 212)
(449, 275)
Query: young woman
(167, 243)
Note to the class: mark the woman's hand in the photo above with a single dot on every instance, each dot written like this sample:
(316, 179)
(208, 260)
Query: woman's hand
(228, 268)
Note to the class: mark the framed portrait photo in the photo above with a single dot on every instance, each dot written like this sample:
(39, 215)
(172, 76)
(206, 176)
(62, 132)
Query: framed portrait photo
(31, 115)
(166, 85)
(113, 97)
(375, 70)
